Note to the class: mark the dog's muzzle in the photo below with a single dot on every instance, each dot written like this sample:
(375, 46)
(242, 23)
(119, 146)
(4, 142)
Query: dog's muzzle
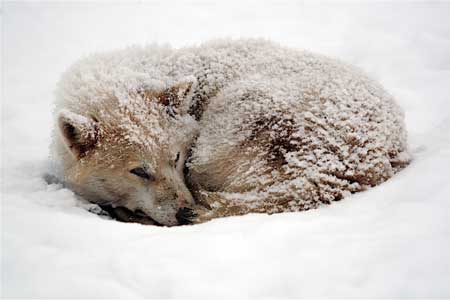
(185, 216)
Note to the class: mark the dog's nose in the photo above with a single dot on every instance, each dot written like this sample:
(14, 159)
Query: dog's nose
(185, 215)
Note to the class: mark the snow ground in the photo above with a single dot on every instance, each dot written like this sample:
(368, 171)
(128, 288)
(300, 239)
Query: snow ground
(391, 241)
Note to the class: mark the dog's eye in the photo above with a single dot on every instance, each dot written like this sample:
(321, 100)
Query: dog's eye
(177, 158)
(141, 172)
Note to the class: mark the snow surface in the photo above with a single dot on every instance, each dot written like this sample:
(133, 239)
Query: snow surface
(391, 241)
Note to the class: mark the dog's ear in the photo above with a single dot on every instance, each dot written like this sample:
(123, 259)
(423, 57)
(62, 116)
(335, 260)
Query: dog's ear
(79, 134)
(172, 97)
(175, 94)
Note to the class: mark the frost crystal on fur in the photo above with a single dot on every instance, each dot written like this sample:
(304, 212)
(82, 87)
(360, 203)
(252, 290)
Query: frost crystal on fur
(272, 129)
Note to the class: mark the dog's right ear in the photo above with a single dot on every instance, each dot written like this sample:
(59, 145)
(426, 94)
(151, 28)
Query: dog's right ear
(78, 133)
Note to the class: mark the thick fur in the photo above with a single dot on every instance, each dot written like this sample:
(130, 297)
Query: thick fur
(266, 128)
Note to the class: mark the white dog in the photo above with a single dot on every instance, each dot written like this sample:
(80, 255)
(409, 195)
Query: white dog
(255, 126)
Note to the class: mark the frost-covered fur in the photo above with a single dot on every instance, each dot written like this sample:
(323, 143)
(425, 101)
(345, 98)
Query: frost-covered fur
(268, 129)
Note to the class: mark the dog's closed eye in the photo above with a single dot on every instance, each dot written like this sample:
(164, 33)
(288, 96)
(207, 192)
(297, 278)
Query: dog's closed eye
(141, 172)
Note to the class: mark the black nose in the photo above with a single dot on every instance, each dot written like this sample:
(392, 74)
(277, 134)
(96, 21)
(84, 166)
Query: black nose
(185, 215)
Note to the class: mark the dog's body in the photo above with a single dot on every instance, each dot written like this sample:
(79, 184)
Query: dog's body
(266, 129)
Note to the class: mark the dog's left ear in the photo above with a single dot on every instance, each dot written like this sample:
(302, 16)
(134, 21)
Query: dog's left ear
(175, 94)
(172, 97)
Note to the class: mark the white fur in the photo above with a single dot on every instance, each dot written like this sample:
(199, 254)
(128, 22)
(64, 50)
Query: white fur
(350, 129)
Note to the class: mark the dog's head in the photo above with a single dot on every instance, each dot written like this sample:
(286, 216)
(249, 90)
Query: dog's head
(132, 154)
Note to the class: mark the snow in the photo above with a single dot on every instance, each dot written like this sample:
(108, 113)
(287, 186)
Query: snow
(391, 241)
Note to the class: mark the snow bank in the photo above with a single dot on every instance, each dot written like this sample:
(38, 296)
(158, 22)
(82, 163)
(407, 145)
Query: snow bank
(391, 241)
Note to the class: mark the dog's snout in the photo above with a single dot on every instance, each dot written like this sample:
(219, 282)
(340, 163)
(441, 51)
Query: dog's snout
(181, 200)
(185, 215)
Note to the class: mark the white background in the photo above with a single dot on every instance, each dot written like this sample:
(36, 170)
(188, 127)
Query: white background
(391, 241)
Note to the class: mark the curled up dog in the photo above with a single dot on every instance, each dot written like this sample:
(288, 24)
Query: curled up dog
(174, 136)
